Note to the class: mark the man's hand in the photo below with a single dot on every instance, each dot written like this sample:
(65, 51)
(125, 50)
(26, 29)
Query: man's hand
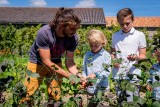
(79, 75)
(83, 82)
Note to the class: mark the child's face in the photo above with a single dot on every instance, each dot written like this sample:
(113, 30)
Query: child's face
(126, 23)
(95, 47)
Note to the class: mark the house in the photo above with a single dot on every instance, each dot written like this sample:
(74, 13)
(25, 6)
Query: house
(150, 23)
(43, 15)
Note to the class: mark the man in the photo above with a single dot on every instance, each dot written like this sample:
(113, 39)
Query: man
(52, 41)
(129, 45)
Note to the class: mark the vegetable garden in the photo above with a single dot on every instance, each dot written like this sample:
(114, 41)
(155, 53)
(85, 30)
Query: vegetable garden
(15, 43)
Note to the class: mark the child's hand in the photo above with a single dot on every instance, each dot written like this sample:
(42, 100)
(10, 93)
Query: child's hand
(149, 88)
(116, 65)
(132, 57)
(83, 82)
(91, 76)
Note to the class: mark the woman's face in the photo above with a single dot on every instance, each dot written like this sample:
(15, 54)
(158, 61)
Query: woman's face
(126, 23)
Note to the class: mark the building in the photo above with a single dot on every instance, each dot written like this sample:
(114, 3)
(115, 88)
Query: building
(150, 23)
(43, 15)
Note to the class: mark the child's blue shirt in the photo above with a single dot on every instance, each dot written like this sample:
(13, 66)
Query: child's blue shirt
(96, 63)
(155, 71)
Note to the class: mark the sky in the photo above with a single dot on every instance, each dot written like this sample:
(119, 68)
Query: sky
(110, 7)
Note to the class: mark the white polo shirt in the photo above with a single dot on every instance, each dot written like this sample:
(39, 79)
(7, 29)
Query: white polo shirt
(127, 44)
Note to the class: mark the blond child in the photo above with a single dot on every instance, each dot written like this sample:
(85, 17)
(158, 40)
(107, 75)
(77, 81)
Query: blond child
(95, 60)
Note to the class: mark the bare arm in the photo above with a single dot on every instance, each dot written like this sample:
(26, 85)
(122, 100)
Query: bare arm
(46, 59)
(141, 56)
(70, 64)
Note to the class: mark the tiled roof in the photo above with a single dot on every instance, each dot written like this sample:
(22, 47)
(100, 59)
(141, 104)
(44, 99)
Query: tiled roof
(45, 15)
(138, 21)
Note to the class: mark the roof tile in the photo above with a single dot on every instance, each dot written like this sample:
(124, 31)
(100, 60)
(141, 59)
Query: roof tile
(138, 21)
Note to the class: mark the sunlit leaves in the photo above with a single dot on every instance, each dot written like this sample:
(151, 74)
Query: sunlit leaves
(32, 74)
(131, 87)
(70, 85)
(156, 84)
(156, 104)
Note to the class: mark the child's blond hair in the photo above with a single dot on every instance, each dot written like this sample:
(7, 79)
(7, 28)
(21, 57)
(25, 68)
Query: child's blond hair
(96, 36)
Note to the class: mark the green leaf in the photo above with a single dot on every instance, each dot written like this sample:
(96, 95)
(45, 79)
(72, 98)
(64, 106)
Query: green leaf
(156, 84)
(74, 79)
(119, 60)
(71, 92)
(125, 104)
(139, 77)
(143, 67)
(135, 98)
(140, 101)
(74, 87)
(32, 74)
(130, 76)
(136, 65)
(65, 80)
(92, 80)
(118, 51)
(99, 95)
(156, 104)
(64, 88)
(131, 87)
(105, 66)
(77, 80)
(123, 85)
(157, 78)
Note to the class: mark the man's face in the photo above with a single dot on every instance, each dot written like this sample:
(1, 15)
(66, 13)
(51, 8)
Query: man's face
(126, 23)
(70, 29)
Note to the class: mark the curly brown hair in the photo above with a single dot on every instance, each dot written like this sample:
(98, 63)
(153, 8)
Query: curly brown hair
(66, 16)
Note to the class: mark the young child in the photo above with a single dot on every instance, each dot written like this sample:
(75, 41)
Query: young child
(131, 45)
(95, 62)
(155, 71)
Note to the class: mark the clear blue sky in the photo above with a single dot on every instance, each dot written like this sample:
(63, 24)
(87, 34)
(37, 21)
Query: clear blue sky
(110, 7)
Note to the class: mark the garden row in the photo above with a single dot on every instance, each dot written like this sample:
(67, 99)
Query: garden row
(15, 43)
